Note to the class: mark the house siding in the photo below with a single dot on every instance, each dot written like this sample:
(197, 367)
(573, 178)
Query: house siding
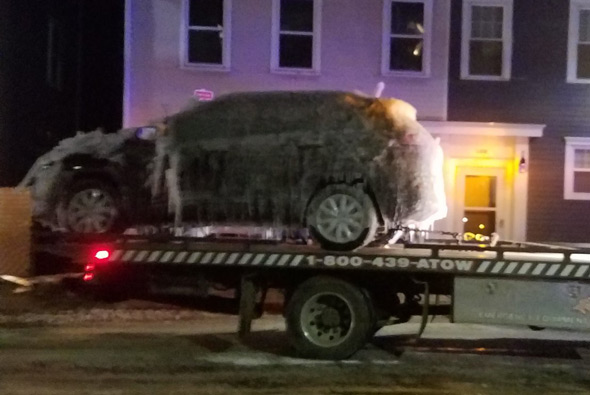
(537, 93)
(351, 35)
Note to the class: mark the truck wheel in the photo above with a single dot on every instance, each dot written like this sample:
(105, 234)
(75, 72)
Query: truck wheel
(248, 293)
(90, 206)
(328, 318)
(342, 218)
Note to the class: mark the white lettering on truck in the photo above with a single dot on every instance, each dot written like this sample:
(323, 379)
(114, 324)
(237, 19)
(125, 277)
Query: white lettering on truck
(393, 262)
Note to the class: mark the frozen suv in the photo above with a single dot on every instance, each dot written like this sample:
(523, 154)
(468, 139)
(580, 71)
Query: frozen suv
(345, 166)
(93, 182)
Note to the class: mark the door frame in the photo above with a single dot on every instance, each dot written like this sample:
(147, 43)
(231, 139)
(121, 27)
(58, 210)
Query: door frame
(503, 225)
(487, 145)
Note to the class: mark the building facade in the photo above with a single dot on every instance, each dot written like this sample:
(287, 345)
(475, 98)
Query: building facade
(175, 47)
(503, 83)
(540, 77)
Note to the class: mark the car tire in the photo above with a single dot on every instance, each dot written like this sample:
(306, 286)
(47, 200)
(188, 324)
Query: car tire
(90, 206)
(328, 318)
(342, 217)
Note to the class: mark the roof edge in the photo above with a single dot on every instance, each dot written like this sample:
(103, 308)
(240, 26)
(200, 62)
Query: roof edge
(484, 128)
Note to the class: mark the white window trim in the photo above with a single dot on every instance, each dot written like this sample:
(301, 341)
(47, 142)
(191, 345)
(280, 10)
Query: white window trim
(226, 49)
(572, 40)
(506, 38)
(316, 43)
(427, 39)
(571, 144)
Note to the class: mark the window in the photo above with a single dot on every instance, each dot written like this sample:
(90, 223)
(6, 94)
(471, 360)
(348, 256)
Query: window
(55, 54)
(407, 26)
(486, 40)
(578, 64)
(480, 206)
(296, 36)
(207, 34)
(577, 168)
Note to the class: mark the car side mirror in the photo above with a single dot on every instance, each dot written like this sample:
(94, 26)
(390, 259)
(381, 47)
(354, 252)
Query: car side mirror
(146, 133)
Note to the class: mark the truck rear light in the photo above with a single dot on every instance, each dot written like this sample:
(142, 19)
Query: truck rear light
(102, 255)
(88, 272)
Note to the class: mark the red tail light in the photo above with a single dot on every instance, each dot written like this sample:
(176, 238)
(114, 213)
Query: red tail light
(102, 255)
(99, 255)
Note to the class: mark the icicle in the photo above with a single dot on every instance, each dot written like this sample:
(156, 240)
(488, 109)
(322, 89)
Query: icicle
(162, 149)
(379, 89)
(174, 191)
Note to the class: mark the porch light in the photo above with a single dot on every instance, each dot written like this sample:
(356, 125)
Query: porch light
(522, 167)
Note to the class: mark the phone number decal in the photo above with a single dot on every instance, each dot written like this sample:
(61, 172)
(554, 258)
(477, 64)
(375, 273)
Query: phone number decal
(391, 262)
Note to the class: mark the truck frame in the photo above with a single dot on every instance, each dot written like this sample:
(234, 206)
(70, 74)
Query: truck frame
(334, 302)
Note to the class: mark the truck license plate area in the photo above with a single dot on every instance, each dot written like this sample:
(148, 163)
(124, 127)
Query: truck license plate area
(518, 302)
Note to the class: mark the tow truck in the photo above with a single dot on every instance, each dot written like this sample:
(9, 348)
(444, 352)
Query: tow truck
(334, 302)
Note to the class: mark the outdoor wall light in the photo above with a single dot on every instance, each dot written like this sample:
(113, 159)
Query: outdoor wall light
(522, 166)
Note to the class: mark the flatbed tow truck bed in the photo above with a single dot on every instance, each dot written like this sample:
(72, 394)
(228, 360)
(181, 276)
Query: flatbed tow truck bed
(335, 301)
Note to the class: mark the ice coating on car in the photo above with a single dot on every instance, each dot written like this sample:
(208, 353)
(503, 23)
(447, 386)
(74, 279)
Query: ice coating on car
(46, 169)
(259, 157)
(96, 143)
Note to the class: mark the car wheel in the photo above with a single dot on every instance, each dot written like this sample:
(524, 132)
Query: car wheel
(90, 206)
(342, 217)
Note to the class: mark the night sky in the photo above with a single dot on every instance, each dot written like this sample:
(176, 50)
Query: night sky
(102, 85)
(63, 74)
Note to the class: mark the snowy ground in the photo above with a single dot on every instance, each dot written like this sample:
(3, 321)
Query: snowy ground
(202, 356)
(84, 347)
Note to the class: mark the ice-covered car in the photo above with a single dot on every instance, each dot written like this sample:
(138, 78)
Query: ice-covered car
(93, 182)
(345, 166)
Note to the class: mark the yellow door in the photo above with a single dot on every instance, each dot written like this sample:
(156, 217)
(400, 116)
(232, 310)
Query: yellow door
(481, 200)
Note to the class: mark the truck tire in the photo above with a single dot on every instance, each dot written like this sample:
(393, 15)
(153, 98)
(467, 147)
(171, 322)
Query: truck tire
(342, 217)
(248, 293)
(328, 318)
(90, 206)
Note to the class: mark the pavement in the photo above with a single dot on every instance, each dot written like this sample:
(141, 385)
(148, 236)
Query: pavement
(55, 341)
(202, 355)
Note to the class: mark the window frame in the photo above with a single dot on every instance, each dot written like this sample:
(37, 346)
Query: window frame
(571, 144)
(316, 41)
(507, 39)
(225, 64)
(576, 6)
(426, 38)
